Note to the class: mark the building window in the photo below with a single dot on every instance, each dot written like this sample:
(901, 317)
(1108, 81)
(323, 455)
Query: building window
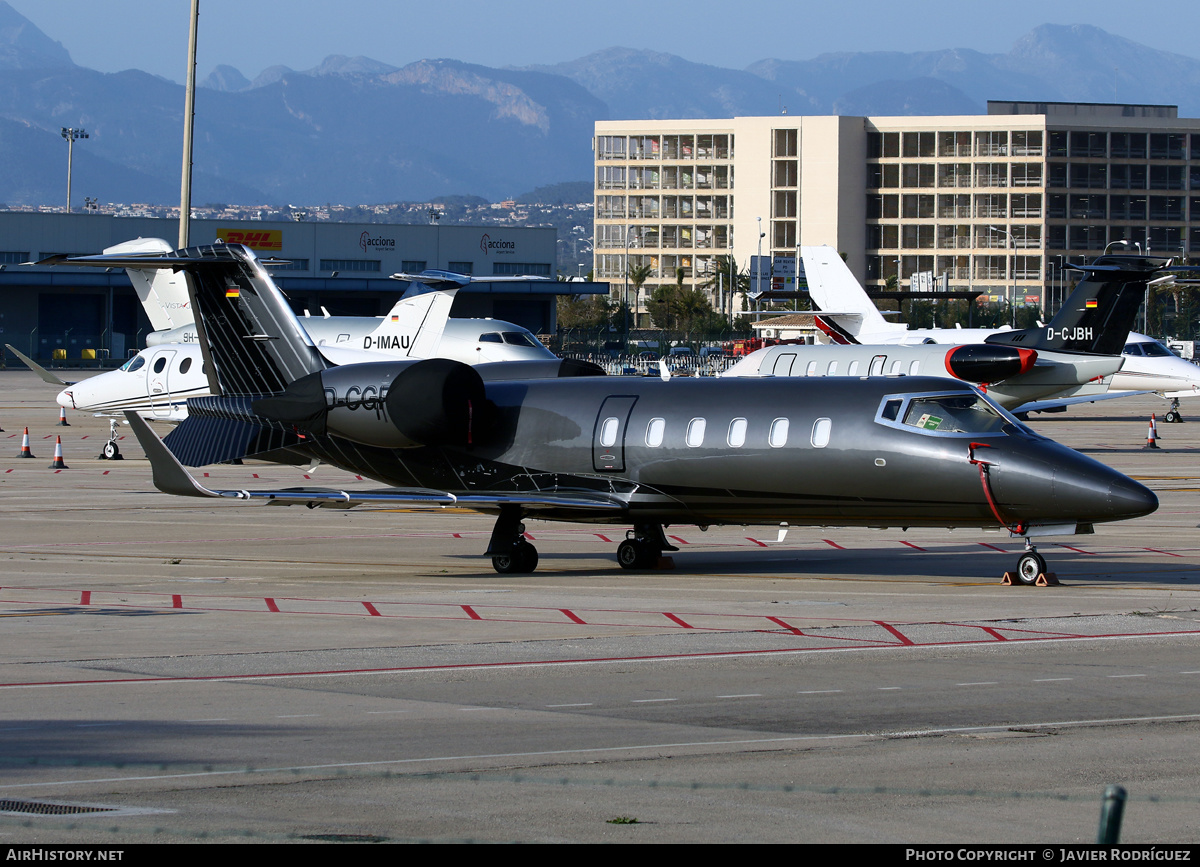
(521, 269)
(287, 264)
(349, 264)
(461, 267)
(8, 258)
(412, 266)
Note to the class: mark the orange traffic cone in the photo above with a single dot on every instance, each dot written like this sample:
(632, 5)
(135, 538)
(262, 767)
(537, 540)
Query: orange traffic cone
(1151, 436)
(62, 417)
(25, 452)
(58, 459)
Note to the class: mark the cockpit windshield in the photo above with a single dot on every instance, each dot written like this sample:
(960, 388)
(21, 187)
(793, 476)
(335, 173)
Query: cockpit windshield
(958, 413)
(949, 414)
(519, 338)
(133, 364)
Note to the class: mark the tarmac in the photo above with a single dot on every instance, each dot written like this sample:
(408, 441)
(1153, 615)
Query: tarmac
(193, 669)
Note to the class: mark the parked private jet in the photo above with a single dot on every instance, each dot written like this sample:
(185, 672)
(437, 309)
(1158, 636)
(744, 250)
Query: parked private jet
(852, 317)
(877, 451)
(1071, 359)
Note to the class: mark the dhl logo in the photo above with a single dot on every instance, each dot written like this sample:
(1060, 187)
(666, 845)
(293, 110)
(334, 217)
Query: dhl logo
(271, 239)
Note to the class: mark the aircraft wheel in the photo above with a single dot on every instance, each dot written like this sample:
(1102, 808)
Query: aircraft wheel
(632, 554)
(111, 451)
(1030, 566)
(1171, 417)
(628, 555)
(526, 555)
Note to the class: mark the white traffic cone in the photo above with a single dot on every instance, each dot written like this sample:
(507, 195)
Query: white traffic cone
(1151, 436)
(25, 452)
(62, 417)
(58, 458)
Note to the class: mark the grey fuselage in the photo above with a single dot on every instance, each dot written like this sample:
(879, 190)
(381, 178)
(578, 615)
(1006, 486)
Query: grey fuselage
(843, 460)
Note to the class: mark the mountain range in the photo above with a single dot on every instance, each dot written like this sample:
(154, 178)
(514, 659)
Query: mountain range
(356, 130)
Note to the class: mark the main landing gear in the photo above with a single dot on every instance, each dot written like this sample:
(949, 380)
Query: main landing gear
(643, 546)
(512, 553)
(1173, 416)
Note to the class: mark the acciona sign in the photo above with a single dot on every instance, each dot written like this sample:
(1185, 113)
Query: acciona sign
(497, 246)
(380, 244)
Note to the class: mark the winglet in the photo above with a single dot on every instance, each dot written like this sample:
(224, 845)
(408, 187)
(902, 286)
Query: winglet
(46, 375)
(170, 477)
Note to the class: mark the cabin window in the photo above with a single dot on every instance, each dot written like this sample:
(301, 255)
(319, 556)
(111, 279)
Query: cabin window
(914, 368)
(343, 338)
(895, 367)
(695, 433)
(737, 433)
(654, 432)
(185, 365)
(608, 432)
(853, 371)
(778, 433)
(811, 370)
(160, 363)
(820, 432)
(832, 369)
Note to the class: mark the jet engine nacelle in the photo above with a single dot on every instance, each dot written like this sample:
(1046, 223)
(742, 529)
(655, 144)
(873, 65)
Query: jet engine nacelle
(985, 362)
(391, 404)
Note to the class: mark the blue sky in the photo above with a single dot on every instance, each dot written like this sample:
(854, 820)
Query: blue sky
(251, 35)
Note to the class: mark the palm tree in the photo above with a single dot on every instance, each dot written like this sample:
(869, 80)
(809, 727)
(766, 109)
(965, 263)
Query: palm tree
(638, 275)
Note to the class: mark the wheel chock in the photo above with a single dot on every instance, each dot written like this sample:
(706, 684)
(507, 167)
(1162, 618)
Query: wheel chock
(1044, 579)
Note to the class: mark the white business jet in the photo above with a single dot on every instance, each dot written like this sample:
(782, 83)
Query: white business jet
(852, 317)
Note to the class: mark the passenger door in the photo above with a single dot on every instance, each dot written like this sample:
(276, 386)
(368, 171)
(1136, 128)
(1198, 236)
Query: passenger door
(608, 437)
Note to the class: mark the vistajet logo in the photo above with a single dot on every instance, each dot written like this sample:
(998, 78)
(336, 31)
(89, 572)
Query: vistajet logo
(378, 243)
(498, 246)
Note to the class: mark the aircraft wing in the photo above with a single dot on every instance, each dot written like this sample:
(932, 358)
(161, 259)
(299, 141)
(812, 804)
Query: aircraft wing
(46, 375)
(171, 477)
(1063, 402)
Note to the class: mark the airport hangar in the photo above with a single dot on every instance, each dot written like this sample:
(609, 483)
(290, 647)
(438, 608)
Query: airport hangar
(82, 314)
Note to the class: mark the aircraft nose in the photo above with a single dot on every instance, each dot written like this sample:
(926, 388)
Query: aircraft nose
(65, 400)
(1094, 492)
(1050, 483)
(1130, 499)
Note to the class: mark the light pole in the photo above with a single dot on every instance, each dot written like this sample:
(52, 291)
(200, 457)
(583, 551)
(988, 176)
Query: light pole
(71, 135)
(625, 291)
(1012, 298)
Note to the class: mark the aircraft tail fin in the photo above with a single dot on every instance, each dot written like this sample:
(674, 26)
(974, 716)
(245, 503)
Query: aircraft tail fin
(832, 287)
(415, 323)
(163, 292)
(1097, 316)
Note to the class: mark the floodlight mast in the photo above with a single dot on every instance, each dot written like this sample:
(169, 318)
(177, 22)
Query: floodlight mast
(71, 135)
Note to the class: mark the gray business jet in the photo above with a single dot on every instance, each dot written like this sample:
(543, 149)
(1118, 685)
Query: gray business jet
(876, 452)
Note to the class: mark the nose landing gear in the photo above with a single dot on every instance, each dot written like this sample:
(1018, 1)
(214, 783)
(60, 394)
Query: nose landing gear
(1173, 416)
(1031, 569)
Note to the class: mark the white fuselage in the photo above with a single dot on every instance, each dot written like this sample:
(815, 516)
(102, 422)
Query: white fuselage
(1150, 366)
(157, 382)
(1055, 375)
